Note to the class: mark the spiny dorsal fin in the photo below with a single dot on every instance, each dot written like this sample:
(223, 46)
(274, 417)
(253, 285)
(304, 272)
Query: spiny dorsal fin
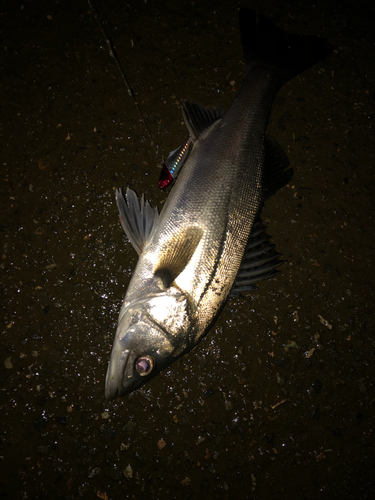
(177, 253)
(137, 218)
(197, 118)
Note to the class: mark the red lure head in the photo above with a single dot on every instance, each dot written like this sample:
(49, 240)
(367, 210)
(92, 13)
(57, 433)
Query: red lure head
(165, 177)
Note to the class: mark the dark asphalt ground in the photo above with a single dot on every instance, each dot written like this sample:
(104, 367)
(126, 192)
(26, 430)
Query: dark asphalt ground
(278, 401)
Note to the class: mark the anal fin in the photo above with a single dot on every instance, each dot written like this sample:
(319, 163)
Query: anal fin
(197, 118)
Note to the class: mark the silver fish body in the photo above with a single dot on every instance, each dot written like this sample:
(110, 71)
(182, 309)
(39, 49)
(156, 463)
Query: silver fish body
(190, 255)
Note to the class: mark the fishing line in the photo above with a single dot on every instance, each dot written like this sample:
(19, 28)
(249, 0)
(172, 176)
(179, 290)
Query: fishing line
(113, 54)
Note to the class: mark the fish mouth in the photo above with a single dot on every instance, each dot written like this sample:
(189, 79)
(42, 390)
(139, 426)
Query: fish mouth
(114, 378)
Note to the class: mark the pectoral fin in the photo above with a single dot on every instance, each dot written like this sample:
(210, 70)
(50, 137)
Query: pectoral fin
(137, 218)
(177, 254)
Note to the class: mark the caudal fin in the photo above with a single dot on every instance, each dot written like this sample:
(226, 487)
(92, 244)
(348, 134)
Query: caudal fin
(264, 44)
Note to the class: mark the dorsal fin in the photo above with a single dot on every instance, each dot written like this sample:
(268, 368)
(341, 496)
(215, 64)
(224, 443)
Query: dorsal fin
(276, 164)
(177, 253)
(137, 218)
(197, 118)
(261, 258)
(259, 261)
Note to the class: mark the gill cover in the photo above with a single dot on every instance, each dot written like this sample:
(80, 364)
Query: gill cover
(151, 334)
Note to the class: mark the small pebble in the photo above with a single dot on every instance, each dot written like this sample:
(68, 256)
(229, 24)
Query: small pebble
(161, 444)
(8, 363)
(128, 472)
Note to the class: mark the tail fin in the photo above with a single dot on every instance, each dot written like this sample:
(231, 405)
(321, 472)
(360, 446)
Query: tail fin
(264, 44)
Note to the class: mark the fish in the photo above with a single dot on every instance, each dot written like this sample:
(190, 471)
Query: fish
(209, 242)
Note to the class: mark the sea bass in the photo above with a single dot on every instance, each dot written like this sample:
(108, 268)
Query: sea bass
(209, 240)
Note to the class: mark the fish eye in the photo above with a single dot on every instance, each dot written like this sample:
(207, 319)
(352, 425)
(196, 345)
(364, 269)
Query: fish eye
(144, 365)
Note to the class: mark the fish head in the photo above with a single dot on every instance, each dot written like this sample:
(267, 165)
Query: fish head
(150, 335)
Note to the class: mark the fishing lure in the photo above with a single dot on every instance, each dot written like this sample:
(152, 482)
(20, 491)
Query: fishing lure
(172, 166)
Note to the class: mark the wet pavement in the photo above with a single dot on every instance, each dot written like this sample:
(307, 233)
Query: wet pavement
(278, 400)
